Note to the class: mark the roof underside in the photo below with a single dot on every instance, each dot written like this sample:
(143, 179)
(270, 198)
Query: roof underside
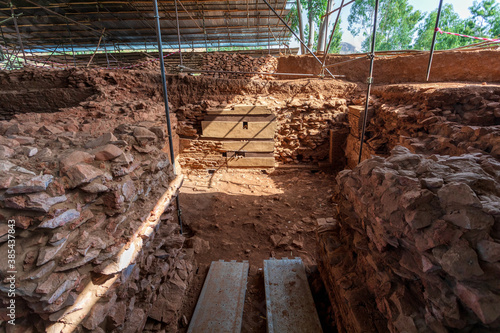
(131, 24)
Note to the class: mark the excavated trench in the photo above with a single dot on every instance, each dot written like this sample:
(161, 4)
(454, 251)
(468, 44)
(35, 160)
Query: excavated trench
(384, 244)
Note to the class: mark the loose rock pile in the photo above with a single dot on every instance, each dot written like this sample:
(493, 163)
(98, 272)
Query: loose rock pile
(416, 244)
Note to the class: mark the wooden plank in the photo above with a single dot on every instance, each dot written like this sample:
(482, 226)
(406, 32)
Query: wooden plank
(253, 146)
(242, 110)
(236, 130)
(251, 162)
(220, 306)
(241, 117)
(289, 302)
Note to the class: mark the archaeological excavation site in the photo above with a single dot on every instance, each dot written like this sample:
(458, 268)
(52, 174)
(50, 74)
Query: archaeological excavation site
(208, 166)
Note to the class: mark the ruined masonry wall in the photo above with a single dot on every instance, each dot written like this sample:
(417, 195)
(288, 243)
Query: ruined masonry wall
(302, 135)
(416, 244)
(79, 183)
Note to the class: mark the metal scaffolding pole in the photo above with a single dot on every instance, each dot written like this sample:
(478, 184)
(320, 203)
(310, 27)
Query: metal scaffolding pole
(434, 39)
(106, 52)
(301, 26)
(17, 32)
(370, 81)
(178, 31)
(167, 108)
(72, 46)
(300, 40)
(331, 36)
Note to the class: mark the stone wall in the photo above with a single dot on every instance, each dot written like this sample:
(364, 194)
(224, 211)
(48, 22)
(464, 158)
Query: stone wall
(416, 244)
(234, 62)
(302, 135)
(90, 188)
(446, 119)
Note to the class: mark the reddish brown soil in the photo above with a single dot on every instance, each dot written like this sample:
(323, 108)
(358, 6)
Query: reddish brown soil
(237, 212)
(467, 66)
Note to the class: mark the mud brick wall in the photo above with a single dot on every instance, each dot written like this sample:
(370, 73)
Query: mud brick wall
(447, 66)
(416, 245)
(35, 91)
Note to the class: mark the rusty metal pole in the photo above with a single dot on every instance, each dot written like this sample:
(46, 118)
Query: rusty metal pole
(106, 52)
(370, 81)
(331, 37)
(301, 26)
(17, 32)
(167, 108)
(178, 31)
(434, 39)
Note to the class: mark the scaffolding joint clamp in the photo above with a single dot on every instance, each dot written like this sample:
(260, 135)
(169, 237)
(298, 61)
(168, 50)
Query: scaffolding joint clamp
(369, 80)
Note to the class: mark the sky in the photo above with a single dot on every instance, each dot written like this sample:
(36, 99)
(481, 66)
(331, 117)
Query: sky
(461, 7)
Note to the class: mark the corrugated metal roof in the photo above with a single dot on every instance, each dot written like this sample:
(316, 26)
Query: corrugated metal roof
(130, 24)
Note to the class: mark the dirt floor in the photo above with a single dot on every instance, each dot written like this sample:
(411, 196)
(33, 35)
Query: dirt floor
(252, 215)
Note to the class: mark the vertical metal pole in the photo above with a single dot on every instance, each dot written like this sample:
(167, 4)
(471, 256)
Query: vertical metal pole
(300, 40)
(330, 4)
(204, 28)
(178, 30)
(65, 58)
(165, 97)
(301, 26)
(17, 32)
(268, 33)
(106, 52)
(434, 39)
(72, 47)
(331, 37)
(370, 81)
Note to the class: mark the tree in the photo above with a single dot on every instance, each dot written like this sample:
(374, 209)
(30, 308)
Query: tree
(449, 21)
(314, 9)
(486, 15)
(337, 38)
(397, 23)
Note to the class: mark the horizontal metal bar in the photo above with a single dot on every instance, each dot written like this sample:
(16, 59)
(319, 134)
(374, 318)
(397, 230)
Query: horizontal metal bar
(189, 70)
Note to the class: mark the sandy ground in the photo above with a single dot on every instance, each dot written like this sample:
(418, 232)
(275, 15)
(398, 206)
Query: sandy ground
(238, 211)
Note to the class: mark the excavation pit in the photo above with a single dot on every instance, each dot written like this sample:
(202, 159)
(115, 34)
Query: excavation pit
(268, 170)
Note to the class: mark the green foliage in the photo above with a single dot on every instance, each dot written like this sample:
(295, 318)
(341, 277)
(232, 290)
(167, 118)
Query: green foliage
(337, 38)
(449, 21)
(318, 9)
(397, 23)
(400, 27)
(486, 15)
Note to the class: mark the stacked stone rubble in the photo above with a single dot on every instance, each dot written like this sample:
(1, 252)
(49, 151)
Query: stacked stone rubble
(416, 245)
(234, 62)
(450, 121)
(302, 135)
(79, 182)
